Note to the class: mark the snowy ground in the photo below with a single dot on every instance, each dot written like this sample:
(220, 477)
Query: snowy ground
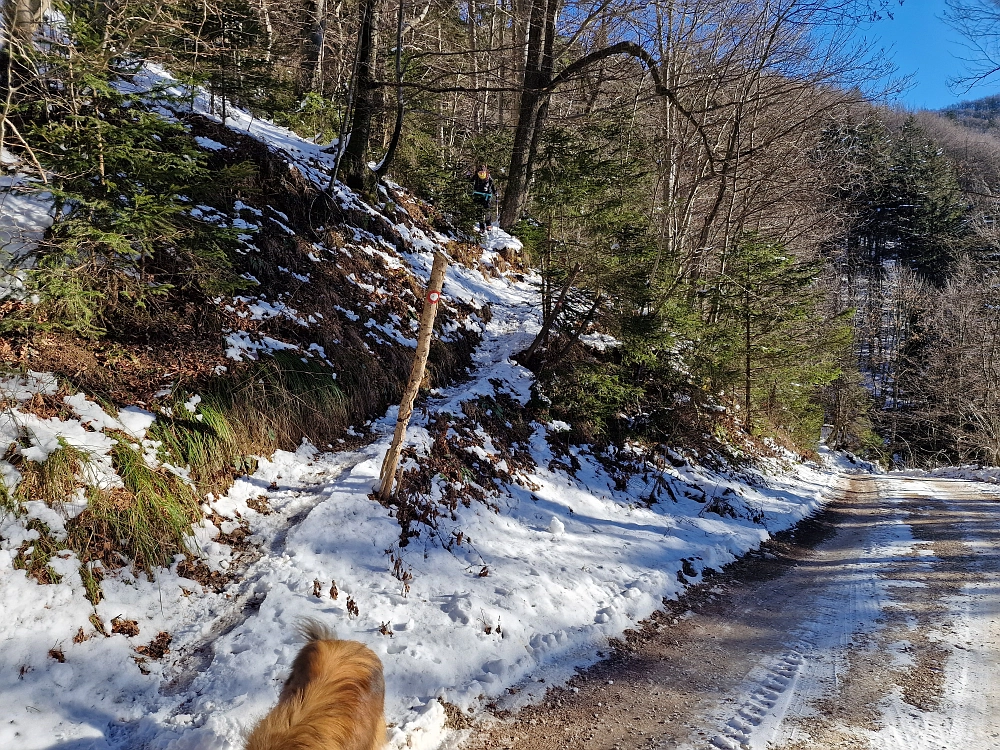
(569, 565)
(528, 594)
(871, 628)
(25, 213)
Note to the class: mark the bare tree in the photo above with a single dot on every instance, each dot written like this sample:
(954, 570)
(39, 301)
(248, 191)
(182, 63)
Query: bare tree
(957, 387)
(979, 22)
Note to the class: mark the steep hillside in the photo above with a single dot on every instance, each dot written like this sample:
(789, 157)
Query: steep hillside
(179, 493)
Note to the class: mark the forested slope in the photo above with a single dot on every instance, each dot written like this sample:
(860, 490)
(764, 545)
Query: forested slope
(159, 547)
(217, 225)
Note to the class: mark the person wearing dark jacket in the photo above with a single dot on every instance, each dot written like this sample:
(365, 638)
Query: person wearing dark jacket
(483, 193)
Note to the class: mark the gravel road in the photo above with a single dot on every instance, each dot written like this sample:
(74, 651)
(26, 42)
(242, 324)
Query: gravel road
(869, 626)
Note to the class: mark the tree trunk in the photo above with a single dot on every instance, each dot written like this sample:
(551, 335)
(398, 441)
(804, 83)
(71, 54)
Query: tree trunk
(23, 17)
(515, 193)
(577, 332)
(397, 130)
(265, 19)
(474, 122)
(533, 108)
(316, 46)
(550, 319)
(387, 476)
(358, 176)
(747, 372)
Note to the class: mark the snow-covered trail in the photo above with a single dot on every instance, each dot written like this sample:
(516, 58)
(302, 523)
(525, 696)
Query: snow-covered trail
(954, 608)
(875, 627)
(911, 645)
(571, 563)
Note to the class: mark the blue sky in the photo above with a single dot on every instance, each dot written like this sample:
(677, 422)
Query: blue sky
(923, 45)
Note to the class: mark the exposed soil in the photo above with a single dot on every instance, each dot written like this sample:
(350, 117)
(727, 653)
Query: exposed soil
(704, 671)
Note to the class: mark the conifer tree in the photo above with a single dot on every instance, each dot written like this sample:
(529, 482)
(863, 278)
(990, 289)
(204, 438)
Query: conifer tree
(123, 178)
(771, 342)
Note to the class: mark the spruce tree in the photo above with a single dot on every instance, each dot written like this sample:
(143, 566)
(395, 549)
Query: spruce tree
(123, 178)
(771, 343)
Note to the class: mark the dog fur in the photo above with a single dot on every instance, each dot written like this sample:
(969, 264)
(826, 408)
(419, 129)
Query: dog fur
(334, 699)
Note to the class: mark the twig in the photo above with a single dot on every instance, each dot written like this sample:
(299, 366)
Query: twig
(28, 148)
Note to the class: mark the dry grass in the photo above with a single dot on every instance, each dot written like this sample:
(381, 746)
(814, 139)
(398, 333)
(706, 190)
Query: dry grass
(144, 523)
(454, 463)
(34, 555)
(147, 521)
(53, 480)
(274, 404)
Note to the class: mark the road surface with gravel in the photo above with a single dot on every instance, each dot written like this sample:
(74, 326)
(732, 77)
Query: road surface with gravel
(874, 625)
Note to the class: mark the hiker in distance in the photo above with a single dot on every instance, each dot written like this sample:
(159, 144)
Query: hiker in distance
(483, 193)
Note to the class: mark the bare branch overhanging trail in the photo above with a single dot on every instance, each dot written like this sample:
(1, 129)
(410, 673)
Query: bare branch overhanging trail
(874, 626)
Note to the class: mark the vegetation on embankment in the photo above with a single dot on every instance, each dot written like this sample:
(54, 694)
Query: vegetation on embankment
(728, 252)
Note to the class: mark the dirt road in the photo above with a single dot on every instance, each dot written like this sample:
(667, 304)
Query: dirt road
(875, 625)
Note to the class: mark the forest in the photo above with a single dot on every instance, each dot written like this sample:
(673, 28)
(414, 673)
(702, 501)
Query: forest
(713, 183)
(689, 289)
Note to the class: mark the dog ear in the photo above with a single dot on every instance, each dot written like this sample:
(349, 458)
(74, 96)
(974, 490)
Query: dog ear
(313, 630)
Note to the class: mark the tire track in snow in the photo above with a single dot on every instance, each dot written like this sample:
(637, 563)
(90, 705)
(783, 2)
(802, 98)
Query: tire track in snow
(780, 688)
(959, 522)
(742, 639)
(926, 679)
(767, 704)
(884, 637)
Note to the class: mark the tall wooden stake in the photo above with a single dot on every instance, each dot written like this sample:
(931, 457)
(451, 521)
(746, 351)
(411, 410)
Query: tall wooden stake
(388, 474)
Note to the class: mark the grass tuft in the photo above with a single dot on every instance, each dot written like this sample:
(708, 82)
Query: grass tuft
(8, 505)
(211, 448)
(274, 405)
(34, 554)
(147, 521)
(53, 480)
(91, 583)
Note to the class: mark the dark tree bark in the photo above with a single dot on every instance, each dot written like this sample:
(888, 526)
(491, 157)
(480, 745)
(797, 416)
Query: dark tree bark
(533, 108)
(390, 152)
(357, 174)
(316, 46)
(538, 85)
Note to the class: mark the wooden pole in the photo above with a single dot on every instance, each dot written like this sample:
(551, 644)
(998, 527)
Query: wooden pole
(388, 475)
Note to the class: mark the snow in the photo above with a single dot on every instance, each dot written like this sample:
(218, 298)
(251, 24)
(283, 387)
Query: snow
(970, 472)
(242, 346)
(531, 591)
(599, 341)
(965, 716)
(209, 144)
(781, 691)
(131, 420)
(23, 388)
(26, 211)
(568, 564)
